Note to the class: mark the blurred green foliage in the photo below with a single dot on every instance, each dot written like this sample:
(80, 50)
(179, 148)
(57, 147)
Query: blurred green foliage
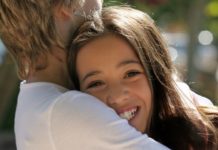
(211, 11)
(173, 11)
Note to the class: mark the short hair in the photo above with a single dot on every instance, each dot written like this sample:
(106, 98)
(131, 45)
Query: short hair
(28, 30)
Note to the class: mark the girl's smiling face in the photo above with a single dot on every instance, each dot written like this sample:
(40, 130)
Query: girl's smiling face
(109, 69)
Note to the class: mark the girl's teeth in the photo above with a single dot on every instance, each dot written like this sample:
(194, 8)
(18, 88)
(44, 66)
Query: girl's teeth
(128, 114)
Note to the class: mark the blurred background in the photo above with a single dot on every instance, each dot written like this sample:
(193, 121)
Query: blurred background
(190, 28)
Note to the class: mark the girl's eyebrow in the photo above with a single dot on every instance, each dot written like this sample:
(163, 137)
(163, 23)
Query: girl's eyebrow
(129, 61)
(92, 73)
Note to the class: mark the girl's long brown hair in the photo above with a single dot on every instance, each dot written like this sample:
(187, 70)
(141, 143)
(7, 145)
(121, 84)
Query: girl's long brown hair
(173, 124)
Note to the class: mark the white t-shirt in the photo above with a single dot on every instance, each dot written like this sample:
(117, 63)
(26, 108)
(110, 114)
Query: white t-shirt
(50, 117)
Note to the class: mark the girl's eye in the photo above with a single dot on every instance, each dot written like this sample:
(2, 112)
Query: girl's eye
(132, 74)
(94, 84)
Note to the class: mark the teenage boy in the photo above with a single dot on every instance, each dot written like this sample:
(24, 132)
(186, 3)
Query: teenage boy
(48, 115)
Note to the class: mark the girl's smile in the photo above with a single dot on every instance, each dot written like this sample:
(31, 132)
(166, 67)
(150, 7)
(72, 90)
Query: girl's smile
(109, 69)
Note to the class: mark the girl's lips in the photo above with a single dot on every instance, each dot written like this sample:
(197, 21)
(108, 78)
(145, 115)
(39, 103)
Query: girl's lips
(119, 111)
(128, 114)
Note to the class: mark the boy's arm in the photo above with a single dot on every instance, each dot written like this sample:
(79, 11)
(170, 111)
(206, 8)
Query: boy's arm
(200, 100)
(191, 98)
(79, 121)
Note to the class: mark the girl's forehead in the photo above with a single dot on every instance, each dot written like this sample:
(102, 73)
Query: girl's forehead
(108, 47)
(107, 43)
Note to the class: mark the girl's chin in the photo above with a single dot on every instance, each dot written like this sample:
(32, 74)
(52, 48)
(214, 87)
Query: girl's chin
(137, 125)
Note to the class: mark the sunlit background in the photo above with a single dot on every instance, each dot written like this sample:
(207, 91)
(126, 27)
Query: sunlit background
(190, 28)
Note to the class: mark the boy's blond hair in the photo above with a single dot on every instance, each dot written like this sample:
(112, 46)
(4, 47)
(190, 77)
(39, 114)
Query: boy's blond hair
(27, 28)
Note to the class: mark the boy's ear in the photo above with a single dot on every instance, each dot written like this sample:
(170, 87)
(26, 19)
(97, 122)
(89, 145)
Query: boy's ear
(59, 54)
(63, 13)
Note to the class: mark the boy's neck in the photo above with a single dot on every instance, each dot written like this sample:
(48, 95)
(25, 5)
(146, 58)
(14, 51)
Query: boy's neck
(43, 77)
(56, 71)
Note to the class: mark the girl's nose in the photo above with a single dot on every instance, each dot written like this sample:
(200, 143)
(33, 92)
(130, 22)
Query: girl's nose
(117, 94)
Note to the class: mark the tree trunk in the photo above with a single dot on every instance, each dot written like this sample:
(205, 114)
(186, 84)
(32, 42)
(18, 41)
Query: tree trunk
(8, 88)
(195, 22)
